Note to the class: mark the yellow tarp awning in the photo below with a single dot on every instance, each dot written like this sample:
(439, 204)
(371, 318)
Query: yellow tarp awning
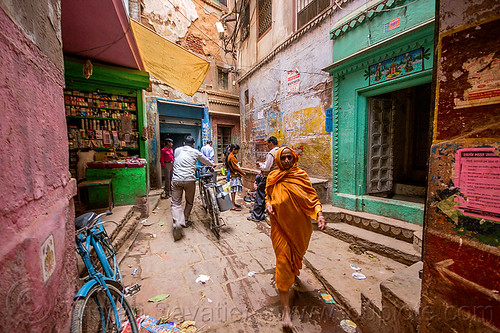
(167, 61)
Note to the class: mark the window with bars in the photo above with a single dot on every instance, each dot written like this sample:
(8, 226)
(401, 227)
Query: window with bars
(222, 79)
(309, 9)
(245, 22)
(265, 16)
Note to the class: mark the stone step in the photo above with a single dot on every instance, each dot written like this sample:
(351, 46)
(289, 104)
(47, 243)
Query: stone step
(395, 307)
(387, 226)
(389, 247)
(330, 258)
(401, 300)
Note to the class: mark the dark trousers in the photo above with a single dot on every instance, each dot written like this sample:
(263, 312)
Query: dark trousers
(259, 206)
(169, 168)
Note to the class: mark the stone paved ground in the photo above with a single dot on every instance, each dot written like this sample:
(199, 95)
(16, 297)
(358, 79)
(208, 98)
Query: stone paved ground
(231, 301)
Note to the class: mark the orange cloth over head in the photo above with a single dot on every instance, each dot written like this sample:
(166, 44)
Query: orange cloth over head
(295, 202)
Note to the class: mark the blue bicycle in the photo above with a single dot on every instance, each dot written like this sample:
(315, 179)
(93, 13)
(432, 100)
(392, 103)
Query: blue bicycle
(100, 305)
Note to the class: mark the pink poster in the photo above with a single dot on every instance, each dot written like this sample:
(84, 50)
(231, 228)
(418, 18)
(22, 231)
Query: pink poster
(477, 175)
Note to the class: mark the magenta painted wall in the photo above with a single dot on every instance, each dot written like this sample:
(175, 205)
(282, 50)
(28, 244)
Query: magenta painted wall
(36, 189)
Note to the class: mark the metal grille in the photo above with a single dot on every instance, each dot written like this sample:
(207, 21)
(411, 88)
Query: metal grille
(265, 16)
(380, 145)
(309, 9)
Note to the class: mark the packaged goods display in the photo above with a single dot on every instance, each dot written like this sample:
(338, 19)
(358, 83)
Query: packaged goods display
(95, 120)
(101, 122)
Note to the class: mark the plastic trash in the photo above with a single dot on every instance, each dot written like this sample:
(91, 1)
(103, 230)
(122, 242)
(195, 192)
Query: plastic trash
(356, 268)
(202, 278)
(158, 298)
(348, 326)
(134, 271)
(327, 298)
(161, 224)
(209, 300)
(251, 274)
(144, 221)
(359, 276)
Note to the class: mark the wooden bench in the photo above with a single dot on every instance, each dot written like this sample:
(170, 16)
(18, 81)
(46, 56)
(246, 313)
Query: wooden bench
(99, 182)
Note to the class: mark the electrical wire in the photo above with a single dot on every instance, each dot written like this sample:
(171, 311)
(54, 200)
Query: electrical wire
(107, 45)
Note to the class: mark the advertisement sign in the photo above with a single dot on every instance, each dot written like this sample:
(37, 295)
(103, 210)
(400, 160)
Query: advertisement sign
(293, 81)
(392, 24)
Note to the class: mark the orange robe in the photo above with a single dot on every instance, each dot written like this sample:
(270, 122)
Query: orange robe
(295, 202)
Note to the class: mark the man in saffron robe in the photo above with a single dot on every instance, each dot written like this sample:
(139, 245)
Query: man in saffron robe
(291, 202)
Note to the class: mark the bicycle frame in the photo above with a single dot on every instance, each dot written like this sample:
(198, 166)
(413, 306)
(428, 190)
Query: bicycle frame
(96, 237)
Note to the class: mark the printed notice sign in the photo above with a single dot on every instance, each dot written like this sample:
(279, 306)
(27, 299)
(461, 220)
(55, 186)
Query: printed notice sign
(477, 175)
(293, 79)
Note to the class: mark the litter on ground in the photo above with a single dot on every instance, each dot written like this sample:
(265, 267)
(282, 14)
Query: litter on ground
(327, 298)
(202, 278)
(356, 268)
(359, 276)
(348, 326)
(158, 298)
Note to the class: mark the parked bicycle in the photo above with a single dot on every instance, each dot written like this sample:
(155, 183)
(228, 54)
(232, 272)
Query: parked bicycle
(213, 198)
(100, 305)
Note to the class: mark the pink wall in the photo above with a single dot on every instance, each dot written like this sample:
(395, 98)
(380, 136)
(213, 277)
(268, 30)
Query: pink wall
(36, 191)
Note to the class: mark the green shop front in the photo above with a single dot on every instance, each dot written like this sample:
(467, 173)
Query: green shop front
(105, 119)
(382, 73)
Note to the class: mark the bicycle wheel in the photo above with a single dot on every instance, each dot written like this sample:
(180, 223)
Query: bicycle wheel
(95, 313)
(214, 212)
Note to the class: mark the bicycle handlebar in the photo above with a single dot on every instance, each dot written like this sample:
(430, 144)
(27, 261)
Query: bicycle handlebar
(92, 223)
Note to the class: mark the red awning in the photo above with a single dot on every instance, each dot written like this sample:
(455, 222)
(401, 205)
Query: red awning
(99, 30)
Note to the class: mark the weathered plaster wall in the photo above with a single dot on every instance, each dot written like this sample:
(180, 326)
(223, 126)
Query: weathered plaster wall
(36, 189)
(41, 22)
(253, 48)
(170, 19)
(297, 119)
(461, 252)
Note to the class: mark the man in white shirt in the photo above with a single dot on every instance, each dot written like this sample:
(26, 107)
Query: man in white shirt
(259, 208)
(183, 180)
(208, 151)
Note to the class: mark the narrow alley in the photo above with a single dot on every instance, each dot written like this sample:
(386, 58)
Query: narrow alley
(368, 129)
(240, 295)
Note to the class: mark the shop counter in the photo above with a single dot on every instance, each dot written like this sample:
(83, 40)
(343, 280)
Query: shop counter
(129, 182)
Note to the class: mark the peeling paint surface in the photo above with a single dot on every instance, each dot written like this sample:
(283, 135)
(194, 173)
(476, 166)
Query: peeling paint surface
(172, 18)
(303, 130)
(474, 95)
(461, 242)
